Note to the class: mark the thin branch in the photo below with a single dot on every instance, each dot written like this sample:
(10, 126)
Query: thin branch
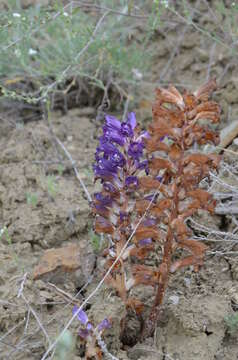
(74, 168)
(21, 295)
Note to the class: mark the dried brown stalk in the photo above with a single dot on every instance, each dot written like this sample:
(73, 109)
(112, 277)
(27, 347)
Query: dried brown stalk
(181, 119)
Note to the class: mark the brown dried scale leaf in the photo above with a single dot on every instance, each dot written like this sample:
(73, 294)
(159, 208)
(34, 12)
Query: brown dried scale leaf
(103, 225)
(135, 304)
(118, 283)
(205, 91)
(144, 232)
(161, 206)
(161, 164)
(148, 183)
(202, 195)
(142, 205)
(202, 159)
(198, 250)
(142, 252)
(168, 117)
(145, 275)
(171, 96)
(153, 144)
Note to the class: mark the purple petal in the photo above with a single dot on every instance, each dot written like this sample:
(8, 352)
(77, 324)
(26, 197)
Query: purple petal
(143, 135)
(123, 215)
(149, 222)
(106, 147)
(126, 130)
(113, 135)
(104, 200)
(103, 173)
(113, 122)
(131, 119)
(159, 178)
(105, 324)
(145, 242)
(131, 181)
(144, 165)
(89, 326)
(135, 150)
(81, 315)
(109, 187)
(151, 198)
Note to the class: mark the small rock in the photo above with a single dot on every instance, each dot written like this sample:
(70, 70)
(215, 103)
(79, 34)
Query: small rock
(66, 263)
(174, 299)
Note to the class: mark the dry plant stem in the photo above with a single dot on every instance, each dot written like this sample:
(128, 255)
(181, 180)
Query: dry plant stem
(150, 324)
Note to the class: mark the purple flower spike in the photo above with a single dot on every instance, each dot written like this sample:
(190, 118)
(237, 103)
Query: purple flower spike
(145, 242)
(82, 316)
(131, 181)
(105, 324)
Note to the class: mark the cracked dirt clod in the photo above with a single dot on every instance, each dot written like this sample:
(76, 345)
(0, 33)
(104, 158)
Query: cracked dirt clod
(58, 265)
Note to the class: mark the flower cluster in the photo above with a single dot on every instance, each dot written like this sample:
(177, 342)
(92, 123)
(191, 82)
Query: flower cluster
(120, 145)
(119, 158)
(90, 336)
(87, 329)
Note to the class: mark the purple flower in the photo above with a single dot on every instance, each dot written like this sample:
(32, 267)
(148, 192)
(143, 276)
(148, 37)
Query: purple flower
(143, 165)
(112, 131)
(81, 315)
(113, 122)
(145, 242)
(123, 215)
(151, 197)
(109, 187)
(131, 181)
(105, 324)
(159, 178)
(136, 150)
(126, 130)
(149, 222)
(143, 135)
(89, 326)
(84, 333)
(102, 199)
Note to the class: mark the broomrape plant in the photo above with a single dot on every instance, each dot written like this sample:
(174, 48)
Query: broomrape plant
(152, 178)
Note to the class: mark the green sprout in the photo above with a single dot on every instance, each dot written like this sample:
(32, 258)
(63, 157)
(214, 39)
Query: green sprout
(52, 186)
(32, 199)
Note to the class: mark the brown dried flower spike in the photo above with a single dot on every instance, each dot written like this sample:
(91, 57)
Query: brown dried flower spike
(180, 125)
